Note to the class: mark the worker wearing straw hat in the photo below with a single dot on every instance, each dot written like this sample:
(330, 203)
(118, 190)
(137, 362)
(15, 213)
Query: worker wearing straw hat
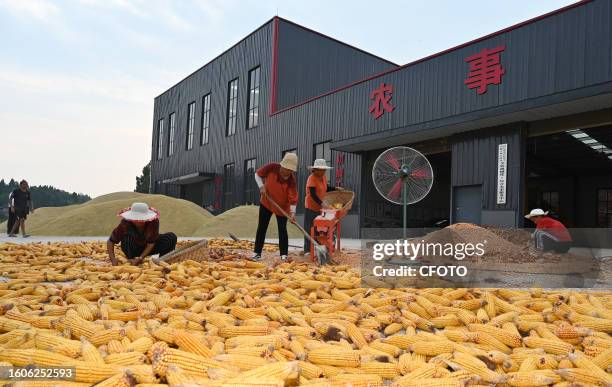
(139, 235)
(550, 234)
(277, 183)
(316, 187)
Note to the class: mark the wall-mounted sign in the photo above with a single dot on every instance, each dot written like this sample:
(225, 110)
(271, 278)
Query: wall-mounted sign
(485, 69)
(381, 100)
(502, 168)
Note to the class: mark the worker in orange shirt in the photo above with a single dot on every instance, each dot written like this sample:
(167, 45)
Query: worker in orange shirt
(276, 182)
(316, 187)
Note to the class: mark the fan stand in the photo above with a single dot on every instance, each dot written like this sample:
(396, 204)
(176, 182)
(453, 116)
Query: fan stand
(404, 172)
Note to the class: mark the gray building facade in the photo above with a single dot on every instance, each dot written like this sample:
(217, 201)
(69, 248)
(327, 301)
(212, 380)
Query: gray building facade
(540, 92)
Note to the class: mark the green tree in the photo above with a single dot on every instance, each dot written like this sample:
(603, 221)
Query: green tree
(142, 181)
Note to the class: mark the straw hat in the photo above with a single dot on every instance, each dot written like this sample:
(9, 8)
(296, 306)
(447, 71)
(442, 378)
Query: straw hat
(319, 164)
(536, 212)
(290, 162)
(139, 212)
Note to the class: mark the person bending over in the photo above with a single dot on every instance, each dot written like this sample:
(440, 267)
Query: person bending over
(139, 235)
(277, 184)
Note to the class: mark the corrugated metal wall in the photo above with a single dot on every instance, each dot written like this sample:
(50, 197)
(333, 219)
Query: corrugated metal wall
(310, 64)
(474, 161)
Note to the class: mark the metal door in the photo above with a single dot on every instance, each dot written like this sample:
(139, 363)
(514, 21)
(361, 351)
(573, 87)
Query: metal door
(467, 204)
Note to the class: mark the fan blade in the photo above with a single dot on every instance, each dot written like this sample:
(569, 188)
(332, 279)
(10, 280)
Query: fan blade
(392, 160)
(420, 174)
(395, 191)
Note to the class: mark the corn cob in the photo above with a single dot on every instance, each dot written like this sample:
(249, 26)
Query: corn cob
(581, 375)
(190, 343)
(285, 371)
(126, 358)
(475, 366)
(335, 357)
(555, 347)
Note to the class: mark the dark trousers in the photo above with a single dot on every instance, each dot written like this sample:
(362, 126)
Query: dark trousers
(11, 221)
(547, 242)
(309, 217)
(262, 228)
(165, 244)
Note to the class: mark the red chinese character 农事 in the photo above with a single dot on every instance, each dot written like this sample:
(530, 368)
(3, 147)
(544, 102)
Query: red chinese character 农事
(381, 97)
(485, 69)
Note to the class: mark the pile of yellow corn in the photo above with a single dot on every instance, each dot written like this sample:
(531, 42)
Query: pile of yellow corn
(242, 245)
(239, 323)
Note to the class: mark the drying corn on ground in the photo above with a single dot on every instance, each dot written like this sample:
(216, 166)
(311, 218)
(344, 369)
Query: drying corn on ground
(239, 323)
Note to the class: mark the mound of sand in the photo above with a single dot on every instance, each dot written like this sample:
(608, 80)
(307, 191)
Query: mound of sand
(98, 216)
(242, 222)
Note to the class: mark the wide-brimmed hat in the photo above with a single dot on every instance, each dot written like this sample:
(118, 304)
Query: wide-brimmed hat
(290, 162)
(139, 212)
(319, 164)
(536, 212)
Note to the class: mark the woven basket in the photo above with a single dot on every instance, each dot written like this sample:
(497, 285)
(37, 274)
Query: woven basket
(192, 251)
(344, 197)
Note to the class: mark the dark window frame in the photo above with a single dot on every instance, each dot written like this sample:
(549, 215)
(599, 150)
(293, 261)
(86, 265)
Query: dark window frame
(228, 185)
(190, 125)
(205, 124)
(254, 94)
(329, 162)
(231, 121)
(160, 139)
(291, 150)
(547, 196)
(171, 133)
(608, 212)
(250, 187)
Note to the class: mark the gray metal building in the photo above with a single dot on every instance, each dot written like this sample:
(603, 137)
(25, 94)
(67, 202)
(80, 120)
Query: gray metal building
(513, 120)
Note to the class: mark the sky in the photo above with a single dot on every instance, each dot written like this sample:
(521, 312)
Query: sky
(78, 77)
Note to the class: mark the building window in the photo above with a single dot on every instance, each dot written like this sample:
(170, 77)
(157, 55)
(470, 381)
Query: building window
(323, 151)
(294, 150)
(190, 123)
(171, 134)
(228, 185)
(160, 139)
(250, 186)
(205, 119)
(604, 207)
(549, 201)
(253, 103)
(232, 103)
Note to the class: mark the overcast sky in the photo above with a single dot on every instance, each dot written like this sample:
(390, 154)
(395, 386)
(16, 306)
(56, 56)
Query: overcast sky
(78, 77)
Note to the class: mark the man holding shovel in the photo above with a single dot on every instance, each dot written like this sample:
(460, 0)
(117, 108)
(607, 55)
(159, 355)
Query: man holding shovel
(278, 187)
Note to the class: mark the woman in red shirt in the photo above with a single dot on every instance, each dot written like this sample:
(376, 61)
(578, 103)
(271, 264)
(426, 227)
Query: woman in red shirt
(139, 235)
(278, 183)
(550, 234)
(316, 187)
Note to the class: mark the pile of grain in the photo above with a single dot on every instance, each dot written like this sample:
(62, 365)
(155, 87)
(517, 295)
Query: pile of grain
(242, 222)
(238, 323)
(98, 216)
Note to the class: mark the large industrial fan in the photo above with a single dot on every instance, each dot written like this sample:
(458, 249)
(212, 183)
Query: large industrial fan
(402, 175)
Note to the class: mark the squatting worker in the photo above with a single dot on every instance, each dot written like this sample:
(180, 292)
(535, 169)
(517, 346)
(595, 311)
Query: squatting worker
(550, 234)
(139, 235)
(316, 187)
(20, 206)
(276, 183)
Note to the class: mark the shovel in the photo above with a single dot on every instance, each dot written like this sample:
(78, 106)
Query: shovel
(236, 239)
(320, 250)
